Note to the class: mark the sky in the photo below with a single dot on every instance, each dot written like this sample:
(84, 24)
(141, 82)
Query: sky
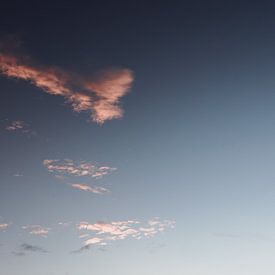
(137, 138)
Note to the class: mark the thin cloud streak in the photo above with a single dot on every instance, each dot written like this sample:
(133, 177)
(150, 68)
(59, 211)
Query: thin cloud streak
(71, 168)
(99, 95)
(87, 188)
(33, 248)
(37, 230)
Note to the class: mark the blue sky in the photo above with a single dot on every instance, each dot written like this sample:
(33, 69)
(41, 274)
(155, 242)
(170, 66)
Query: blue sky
(156, 156)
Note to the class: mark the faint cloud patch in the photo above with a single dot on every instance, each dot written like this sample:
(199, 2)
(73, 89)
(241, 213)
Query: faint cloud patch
(20, 126)
(3, 226)
(16, 125)
(25, 248)
(18, 175)
(37, 230)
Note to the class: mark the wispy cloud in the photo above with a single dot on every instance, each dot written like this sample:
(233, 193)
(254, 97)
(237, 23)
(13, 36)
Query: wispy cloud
(120, 230)
(3, 226)
(20, 126)
(18, 175)
(64, 224)
(71, 168)
(32, 248)
(16, 125)
(94, 189)
(28, 248)
(37, 230)
(99, 95)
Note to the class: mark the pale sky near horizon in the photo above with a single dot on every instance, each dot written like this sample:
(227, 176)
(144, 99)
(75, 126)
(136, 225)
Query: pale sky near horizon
(137, 139)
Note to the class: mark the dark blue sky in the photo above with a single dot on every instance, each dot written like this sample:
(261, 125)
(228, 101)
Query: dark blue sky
(182, 182)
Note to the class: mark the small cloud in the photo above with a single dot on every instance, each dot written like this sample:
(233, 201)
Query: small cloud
(32, 248)
(16, 125)
(20, 127)
(28, 248)
(3, 226)
(64, 224)
(87, 188)
(81, 249)
(71, 168)
(83, 236)
(18, 175)
(37, 230)
(90, 242)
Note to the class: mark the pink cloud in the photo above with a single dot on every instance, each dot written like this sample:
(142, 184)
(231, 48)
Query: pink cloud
(85, 187)
(99, 95)
(16, 125)
(93, 241)
(120, 230)
(71, 168)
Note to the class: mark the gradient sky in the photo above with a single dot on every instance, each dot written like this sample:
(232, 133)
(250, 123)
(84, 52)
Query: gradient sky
(157, 155)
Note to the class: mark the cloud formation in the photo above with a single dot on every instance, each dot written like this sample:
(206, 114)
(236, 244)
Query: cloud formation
(120, 230)
(87, 188)
(16, 125)
(99, 95)
(4, 226)
(27, 248)
(69, 167)
(37, 230)
(20, 126)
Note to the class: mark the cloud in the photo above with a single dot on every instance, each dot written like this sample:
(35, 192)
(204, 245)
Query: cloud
(3, 226)
(68, 167)
(83, 236)
(16, 125)
(20, 126)
(120, 230)
(98, 95)
(18, 175)
(32, 248)
(28, 248)
(64, 224)
(85, 187)
(92, 241)
(89, 242)
(37, 230)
